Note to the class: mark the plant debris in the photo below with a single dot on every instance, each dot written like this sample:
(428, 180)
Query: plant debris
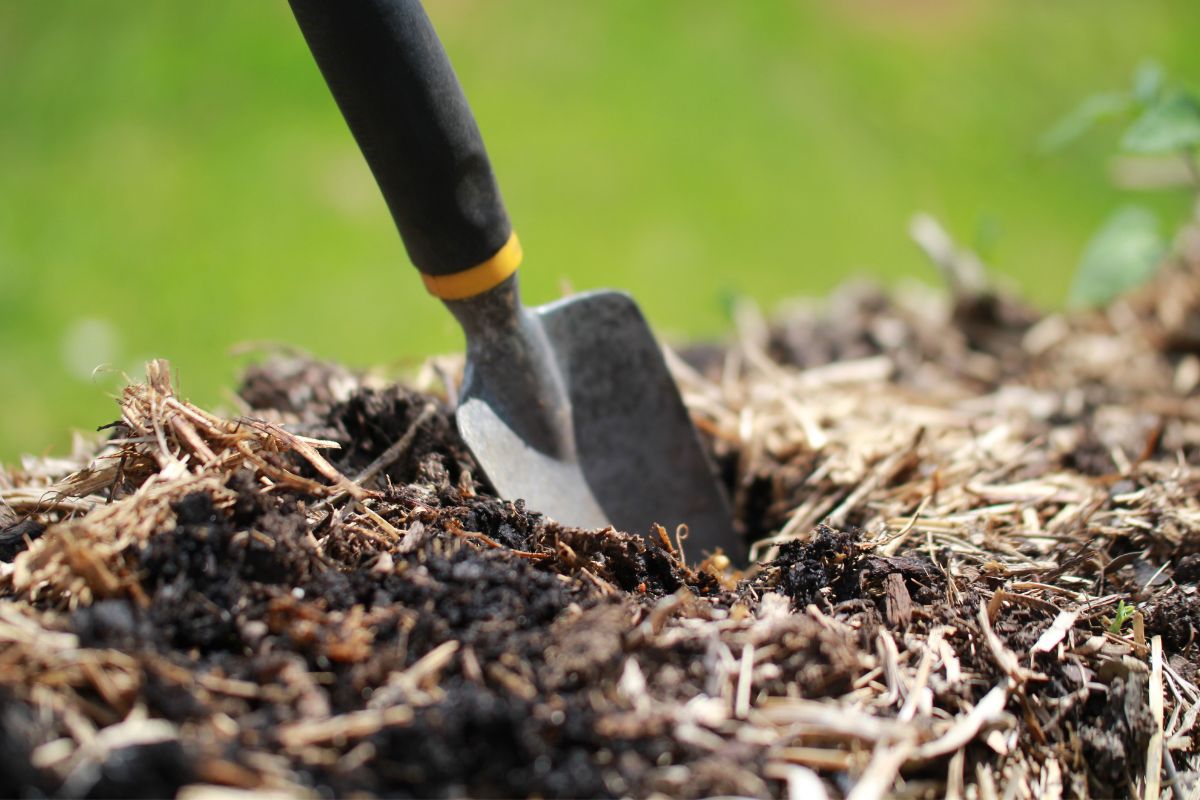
(976, 533)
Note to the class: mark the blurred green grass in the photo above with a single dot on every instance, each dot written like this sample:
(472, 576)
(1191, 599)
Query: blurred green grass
(175, 178)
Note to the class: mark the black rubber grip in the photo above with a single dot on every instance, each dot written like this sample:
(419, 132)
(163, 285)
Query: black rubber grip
(394, 84)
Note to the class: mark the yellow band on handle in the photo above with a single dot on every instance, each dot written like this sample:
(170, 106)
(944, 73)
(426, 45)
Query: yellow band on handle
(479, 278)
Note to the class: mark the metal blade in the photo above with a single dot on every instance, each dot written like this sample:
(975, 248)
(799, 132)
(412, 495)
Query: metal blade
(630, 454)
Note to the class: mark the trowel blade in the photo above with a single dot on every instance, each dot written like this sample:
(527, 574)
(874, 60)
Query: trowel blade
(638, 459)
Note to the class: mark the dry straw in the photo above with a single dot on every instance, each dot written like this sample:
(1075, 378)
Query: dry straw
(1027, 491)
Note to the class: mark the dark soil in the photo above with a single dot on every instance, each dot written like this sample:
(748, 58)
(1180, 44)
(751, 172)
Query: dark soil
(518, 657)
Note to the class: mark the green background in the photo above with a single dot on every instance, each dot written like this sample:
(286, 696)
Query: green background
(174, 178)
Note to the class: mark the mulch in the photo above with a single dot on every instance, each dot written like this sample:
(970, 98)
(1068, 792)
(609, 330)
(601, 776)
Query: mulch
(976, 536)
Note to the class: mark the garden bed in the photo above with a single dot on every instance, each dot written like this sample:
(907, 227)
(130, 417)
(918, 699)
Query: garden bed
(977, 543)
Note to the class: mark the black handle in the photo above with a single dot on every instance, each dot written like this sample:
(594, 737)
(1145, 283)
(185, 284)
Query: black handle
(396, 88)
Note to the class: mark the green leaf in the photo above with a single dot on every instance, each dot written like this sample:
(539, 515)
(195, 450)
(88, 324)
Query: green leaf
(1148, 81)
(1171, 123)
(1125, 612)
(1092, 110)
(1121, 255)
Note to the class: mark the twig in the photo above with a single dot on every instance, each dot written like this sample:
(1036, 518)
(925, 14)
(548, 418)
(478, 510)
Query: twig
(397, 448)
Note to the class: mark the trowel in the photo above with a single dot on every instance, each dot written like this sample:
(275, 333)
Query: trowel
(568, 406)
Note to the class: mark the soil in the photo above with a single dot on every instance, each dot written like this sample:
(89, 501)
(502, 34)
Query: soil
(233, 610)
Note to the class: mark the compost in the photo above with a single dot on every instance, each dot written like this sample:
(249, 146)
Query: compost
(976, 537)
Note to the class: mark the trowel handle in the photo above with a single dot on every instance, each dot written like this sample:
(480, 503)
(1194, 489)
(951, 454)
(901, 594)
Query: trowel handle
(396, 88)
